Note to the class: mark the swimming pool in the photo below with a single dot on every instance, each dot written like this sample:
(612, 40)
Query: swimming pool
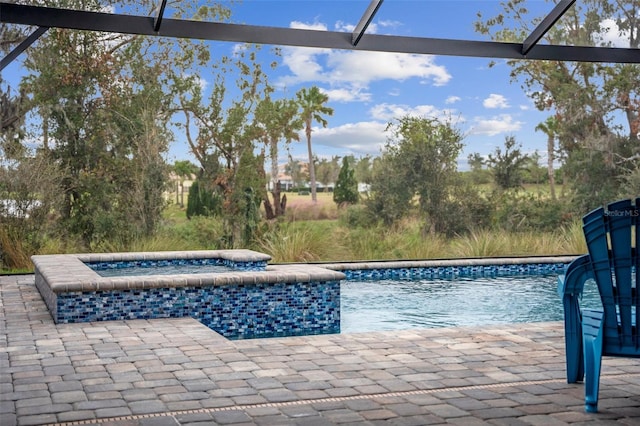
(382, 305)
(261, 300)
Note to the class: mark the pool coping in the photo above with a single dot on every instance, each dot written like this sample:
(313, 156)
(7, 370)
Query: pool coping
(68, 272)
(431, 263)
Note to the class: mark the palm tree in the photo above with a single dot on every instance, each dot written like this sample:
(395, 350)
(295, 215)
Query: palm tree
(312, 103)
(277, 120)
(550, 128)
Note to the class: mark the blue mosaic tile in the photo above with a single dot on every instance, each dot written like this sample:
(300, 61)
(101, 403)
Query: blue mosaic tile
(235, 311)
(450, 272)
(237, 265)
(257, 310)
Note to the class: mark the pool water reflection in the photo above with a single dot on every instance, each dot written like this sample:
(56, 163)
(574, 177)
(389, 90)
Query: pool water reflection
(402, 304)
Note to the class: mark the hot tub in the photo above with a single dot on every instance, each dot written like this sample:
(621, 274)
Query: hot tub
(254, 300)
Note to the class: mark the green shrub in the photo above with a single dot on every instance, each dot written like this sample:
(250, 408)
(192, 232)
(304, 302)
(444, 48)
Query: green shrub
(529, 212)
(202, 202)
(357, 216)
(346, 190)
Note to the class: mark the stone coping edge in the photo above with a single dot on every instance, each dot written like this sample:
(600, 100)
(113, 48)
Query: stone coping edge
(481, 261)
(237, 255)
(68, 273)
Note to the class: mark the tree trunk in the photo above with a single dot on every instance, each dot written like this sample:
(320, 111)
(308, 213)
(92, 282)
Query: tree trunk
(279, 205)
(268, 208)
(276, 199)
(312, 170)
(550, 171)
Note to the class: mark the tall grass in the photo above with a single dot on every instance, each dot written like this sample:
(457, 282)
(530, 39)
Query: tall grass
(573, 239)
(321, 240)
(480, 243)
(302, 243)
(13, 255)
(403, 242)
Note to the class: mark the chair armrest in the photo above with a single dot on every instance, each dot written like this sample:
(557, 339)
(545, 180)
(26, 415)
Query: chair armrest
(572, 282)
(570, 288)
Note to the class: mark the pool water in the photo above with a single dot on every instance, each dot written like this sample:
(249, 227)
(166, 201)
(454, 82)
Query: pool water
(429, 303)
(172, 269)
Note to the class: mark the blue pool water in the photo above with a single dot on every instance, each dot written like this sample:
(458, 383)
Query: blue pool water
(131, 271)
(430, 303)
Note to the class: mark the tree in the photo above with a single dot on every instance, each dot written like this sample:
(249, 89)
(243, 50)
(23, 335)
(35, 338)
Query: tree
(294, 169)
(103, 120)
(346, 190)
(550, 128)
(313, 109)
(419, 161)
(363, 167)
(596, 106)
(11, 124)
(227, 133)
(277, 120)
(507, 166)
(479, 175)
(532, 172)
(476, 162)
(327, 171)
(28, 190)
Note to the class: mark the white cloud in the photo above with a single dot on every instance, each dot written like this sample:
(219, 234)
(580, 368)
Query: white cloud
(359, 68)
(344, 27)
(200, 81)
(610, 35)
(387, 112)
(452, 99)
(389, 23)
(365, 137)
(305, 26)
(355, 70)
(302, 62)
(364, 67)
(495, 101)
(346, 95)
(503, 123)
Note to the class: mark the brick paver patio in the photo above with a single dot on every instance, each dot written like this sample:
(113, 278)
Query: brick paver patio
(178, 372)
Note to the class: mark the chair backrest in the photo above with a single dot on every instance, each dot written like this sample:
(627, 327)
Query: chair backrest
(612, 240)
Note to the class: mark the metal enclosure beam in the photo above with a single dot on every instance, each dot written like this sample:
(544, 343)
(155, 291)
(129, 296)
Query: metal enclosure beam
(158, 20)
(141, 25)
(544, 26)
(22, 46)
(366, 19)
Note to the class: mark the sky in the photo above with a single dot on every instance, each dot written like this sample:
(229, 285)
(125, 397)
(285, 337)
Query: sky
(367, 90)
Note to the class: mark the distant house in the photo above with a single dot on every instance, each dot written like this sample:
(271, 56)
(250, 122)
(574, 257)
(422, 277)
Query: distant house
(286, 182)
(178, 188)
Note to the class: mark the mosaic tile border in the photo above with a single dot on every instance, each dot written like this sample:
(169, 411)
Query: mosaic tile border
(450, 272)
(152, 263)
(451, 268)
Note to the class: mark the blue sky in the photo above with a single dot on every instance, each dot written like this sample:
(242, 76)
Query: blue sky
(369, 89)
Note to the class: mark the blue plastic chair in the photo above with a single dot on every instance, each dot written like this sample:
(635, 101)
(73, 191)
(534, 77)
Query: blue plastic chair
(612, 262)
